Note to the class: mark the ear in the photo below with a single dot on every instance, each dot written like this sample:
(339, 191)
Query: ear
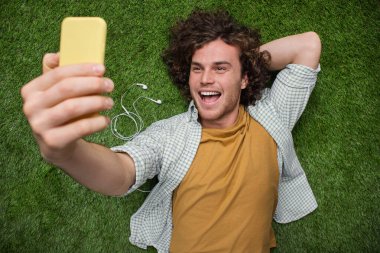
(244, 82)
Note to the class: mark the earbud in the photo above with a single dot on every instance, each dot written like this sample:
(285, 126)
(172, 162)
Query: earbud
(142, 85)
(151, 99)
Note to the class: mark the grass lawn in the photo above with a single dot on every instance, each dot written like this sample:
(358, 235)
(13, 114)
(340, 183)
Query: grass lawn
(337, 138)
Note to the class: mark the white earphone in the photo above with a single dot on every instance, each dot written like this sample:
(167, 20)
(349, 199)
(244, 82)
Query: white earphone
(156, 101)
(133, 115)
(142, 85)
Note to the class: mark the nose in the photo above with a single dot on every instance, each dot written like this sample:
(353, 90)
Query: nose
(207, 77)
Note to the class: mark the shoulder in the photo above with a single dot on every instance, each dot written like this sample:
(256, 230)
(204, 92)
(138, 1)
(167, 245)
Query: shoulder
(165, 126)
(173, 120)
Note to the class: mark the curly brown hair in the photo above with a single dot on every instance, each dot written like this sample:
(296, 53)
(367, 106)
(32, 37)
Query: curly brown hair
(202, 27)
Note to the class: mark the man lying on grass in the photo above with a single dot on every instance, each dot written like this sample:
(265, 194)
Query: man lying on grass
(225, 167)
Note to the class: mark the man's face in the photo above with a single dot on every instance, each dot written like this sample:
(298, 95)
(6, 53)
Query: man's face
(216, 82)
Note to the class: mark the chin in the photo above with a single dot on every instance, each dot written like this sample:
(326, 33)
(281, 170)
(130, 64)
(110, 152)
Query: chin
(208, 115)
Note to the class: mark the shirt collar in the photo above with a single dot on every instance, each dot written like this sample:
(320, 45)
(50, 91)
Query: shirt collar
(193, 112)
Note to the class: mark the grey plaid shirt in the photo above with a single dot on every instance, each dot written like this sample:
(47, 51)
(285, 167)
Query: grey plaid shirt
(168, 147)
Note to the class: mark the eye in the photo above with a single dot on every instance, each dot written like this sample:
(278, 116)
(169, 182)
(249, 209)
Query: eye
(195, 69)
(221, 69)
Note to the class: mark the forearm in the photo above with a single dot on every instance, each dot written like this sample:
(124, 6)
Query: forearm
(302, 49)
(99, 168)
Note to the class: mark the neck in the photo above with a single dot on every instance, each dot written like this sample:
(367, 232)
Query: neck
(223, 122)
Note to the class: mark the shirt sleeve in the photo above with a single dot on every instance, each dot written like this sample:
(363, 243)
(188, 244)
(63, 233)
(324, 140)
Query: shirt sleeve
(146, 150)
(291, 91)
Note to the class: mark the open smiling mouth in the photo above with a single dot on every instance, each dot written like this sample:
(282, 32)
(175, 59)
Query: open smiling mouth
(209, 96)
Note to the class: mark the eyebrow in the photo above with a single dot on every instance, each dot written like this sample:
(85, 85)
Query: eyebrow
(215, 63)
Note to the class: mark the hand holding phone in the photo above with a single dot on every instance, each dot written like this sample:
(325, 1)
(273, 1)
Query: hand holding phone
(58, 102)
(62, 105)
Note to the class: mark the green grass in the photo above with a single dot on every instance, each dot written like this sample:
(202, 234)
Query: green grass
(337, 139)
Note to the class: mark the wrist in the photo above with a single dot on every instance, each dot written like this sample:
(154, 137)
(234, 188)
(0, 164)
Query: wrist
(60, 157)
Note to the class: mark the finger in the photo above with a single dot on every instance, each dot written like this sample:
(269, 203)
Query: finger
(76, 87)
(57, 138)
(67, 112)
(47, 80)
(72, 109)
(50, 61)
(66, 89)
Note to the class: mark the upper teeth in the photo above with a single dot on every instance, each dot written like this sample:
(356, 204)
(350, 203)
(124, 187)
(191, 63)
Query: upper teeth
(209, 93)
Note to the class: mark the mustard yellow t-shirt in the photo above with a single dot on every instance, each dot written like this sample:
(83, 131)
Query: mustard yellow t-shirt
(227, 199)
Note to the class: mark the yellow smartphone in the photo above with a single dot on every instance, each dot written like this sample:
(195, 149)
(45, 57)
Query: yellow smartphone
(83, 40)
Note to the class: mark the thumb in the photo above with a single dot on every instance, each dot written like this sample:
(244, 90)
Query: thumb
(49, 62)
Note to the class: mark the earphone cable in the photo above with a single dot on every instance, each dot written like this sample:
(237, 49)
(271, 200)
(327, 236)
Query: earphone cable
(134, 116)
